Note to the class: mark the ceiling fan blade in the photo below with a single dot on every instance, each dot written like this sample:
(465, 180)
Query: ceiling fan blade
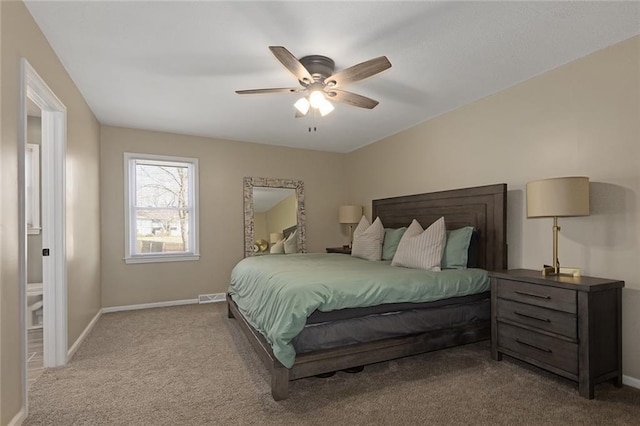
(358, 72)
(291, 63)
(274, 90)
(352, 99)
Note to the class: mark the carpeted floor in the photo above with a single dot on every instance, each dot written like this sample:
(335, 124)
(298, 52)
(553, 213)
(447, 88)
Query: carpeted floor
(190, 365)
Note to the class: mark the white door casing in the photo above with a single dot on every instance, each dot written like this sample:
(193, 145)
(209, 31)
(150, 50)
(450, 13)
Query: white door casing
(53, 218)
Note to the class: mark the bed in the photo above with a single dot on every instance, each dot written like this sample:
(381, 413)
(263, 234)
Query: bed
(484, 208)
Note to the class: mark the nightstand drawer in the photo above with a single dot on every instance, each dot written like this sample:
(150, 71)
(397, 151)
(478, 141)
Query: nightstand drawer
(541, 318)
(559, 299)
(546, 349)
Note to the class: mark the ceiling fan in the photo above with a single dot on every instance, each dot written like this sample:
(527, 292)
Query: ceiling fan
(319, 83)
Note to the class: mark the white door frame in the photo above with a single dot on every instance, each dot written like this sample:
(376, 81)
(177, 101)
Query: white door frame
(54, 268)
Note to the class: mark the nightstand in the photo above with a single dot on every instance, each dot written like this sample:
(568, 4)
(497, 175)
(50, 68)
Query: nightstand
(570, 326)
(343, 250)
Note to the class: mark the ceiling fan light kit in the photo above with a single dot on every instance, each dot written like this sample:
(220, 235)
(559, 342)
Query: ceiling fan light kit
(315, 73)
(316, 98)
(325, 107)
(302, 105)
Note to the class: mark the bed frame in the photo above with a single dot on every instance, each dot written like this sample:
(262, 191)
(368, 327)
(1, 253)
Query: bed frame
(483, 207)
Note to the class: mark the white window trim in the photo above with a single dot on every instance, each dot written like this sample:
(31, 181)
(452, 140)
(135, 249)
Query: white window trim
(129, 201)
(33, 180)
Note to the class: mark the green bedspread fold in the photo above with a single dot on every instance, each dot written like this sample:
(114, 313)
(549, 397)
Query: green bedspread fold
(277, 293)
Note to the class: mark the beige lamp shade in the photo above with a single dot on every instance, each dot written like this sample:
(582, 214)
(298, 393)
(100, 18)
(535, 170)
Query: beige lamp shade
(349, 214)
(274, 237)
(558, 197)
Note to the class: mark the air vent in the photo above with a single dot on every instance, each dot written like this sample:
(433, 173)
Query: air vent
(211, 298)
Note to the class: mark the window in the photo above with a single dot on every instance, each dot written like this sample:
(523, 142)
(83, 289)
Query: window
(161, 208)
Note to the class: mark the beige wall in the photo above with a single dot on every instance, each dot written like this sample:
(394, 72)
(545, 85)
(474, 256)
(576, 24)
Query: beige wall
(580, 119)
(260, 226)
(22, 38)
(34, 128)
(282, 215)
(223, 164)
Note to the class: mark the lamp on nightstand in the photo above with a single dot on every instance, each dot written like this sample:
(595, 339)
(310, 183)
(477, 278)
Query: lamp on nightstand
(350, 215)
(558, 197)
(274, 237)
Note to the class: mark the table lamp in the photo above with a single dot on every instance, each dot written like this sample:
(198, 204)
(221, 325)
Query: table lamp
(558, 197)
(350, 215)
(274, 237)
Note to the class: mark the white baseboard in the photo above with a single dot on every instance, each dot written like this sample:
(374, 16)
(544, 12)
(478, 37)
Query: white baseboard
(72, 350)
(18, 418)
(631, 381)
(149, 305)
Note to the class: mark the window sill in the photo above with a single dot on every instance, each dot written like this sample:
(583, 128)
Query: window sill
(162, 258)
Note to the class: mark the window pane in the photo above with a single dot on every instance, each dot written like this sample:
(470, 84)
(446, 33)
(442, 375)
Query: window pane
(161, 231)
(161, 186)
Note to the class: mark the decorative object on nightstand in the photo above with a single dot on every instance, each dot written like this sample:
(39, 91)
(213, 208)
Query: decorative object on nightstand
(571, 326)
(350, 215)
(558, 197)
(261, 246)
(342, 250)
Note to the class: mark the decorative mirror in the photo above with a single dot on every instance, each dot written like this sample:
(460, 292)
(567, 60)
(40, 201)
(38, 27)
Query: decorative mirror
(272, 194)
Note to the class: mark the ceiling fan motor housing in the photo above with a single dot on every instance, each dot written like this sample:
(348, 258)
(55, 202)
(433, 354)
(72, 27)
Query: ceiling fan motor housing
(320, 67)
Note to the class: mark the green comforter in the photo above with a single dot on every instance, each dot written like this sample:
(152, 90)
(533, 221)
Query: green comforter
(277, 293)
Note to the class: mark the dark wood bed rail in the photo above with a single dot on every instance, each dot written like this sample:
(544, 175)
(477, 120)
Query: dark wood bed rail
(325, 361)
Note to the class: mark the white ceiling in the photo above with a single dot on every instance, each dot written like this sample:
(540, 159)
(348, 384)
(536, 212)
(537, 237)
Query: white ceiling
(174, 66)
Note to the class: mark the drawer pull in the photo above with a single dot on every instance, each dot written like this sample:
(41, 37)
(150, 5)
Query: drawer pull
(532, 316)
(534, 346)
(539, 296)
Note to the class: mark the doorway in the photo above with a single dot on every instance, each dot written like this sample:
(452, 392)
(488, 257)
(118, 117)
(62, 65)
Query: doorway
(35, 302)
(52, 153)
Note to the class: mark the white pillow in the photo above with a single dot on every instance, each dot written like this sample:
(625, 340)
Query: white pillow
(367, 239)
(278, 247)
(291, 243)
(422, 249)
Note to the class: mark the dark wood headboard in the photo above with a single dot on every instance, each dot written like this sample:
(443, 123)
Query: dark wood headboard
(288, 231)
(483, 207)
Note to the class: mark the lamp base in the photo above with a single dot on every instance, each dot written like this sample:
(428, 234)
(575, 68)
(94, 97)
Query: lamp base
(550, 270)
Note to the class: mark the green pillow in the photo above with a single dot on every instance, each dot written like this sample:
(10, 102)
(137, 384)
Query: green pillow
(456, 250)
(391, 240)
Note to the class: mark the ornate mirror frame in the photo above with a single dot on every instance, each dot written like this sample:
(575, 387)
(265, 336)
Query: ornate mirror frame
(249, 184)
